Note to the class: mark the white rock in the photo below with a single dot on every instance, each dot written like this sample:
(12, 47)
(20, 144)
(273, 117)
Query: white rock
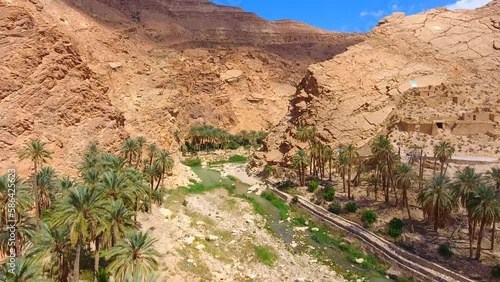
(200, 223)
(189, 240)
(191, 261)
(293, 244)
(360, 260)
(251, 276)
(200, 247)
(199, 236)
(315, 229)
(301, 279)
(211, 238)
(115, 65)
(166, 212)
(300, 229)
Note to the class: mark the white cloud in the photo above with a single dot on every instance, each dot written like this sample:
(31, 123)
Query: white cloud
(467, 4)
(376, 14)
(395, 7)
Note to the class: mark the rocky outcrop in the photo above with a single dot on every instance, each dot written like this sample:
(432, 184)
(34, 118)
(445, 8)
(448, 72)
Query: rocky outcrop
(47, 91)
(366, 90)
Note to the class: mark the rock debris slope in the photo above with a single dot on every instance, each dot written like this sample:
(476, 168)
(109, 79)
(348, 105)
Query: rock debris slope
(408, 68)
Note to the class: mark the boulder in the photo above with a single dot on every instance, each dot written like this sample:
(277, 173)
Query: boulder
(231, 75)
(115, 65)
(359, 260)
(211, 238)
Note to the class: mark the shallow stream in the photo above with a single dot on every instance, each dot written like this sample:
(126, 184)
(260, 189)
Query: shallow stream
(284, 229)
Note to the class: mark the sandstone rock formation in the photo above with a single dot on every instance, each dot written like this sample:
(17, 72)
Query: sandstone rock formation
(47, 91)
(78, 71)
(432, 66)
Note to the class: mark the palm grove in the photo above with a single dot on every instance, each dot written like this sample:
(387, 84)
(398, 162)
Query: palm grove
(66, 224)
(441, 197)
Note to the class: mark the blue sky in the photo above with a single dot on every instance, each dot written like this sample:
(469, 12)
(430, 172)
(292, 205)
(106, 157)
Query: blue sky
(338, 15)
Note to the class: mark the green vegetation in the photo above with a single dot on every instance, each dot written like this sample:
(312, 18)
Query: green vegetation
(329, 194)
(395, 227)
(211, 138)
(496, 271)
(370, 262)
(268, 170)
(192, 162)
(277, 202)
(369, 217)
(313, 185)
(232, 159)
(233, 178)
(445, 250)
(351, 207)
(265, 254)
(59, 218)
(335, 208)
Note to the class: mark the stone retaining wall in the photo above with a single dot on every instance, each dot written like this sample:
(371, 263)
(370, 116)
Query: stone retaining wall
(411, 265)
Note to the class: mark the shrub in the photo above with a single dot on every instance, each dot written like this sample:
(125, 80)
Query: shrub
(369, 217)
(313, 185)
(295, 199)
(395, 227)
(285, 185)
(237, 159)
(268, 169)
(496, 271)
(329, 194)
(265, 254)
(351, 207)
(193, 162)
(445, 250)
(335, 208)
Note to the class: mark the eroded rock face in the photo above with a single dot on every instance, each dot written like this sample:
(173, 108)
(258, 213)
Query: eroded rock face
(107, 69)
(48, 92)
(366, 90)
(202, 24)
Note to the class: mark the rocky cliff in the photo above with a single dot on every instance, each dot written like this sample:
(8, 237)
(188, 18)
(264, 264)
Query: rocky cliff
(78, 71)
(429, 67)
(200, 23)
(47, 91)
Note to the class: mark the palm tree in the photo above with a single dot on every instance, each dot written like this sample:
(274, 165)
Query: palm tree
(25, 270)
(307, 134)
(130, 149)
(115, 186)
(140, 143)
(152, 173)
(166, 162)
(342, 165)
(404, 177)
(465, 185)
(23, 199)
(437, 199)
(443, 151)
(134, 255)
(494, 174)
(36, 152)
(351, 152)
(65, 183)
(485, 208)
(118, 220)
(47, 187)
(152, 151)
(25, 227)
(56, 244)
(330, 157)
(300, 162)
(383, 152)
(82, 210)
(372, 184)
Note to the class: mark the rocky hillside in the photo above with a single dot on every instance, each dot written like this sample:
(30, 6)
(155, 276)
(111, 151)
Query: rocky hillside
(78, 71)
(47, 91)
(427, 68)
